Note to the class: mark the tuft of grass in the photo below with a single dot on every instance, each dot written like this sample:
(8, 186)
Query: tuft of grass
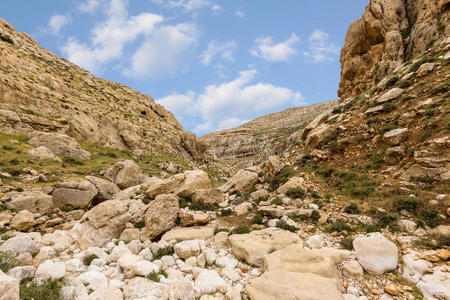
(155, 275)
(443, 88)
(88, 259)
(387, 129)
(203, 206)
(281, 178)
(405, 83)
(315, 215)
(352, 209)
(217, 230)
(428, 217)
(163, 252)
(257, 219)
(339, 226)
(372, 228)
(50, 289)
(347, 243)
(226, 212)
(242, 229)
(283, 225)
(406, 203)
(7, 261)
(392, 81)
(295, 193)
(276, 201)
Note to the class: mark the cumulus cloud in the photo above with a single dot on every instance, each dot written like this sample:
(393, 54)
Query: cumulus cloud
(188, 5)
(215, 48)
(89, 6)
(57, 22)
(268, 50)
(231, 103)
(108, 38)
(320, 48)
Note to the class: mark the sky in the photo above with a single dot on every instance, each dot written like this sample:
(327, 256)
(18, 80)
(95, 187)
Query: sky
(214, 64)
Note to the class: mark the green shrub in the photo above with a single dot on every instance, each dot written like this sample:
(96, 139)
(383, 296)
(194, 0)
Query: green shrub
(389, 106)
(7, 261)
(139, 225)
(443, 88)
(372, 228)
(387, 128)
(405, 83)
(295, 193)
(392, 81)
(163, 252)
(406, 203)
(384, 219)
(347, 243)
(47, 290)
(203, 206)
(352, 209)
(280, 178)
(283, 225)
(426, 244)
(155, 275)
(315, 215)
(429, 112)
(276, 201)
(338, 227)
(240, 229)
(218, 229)
(428, 217)
(337, 110)
(88, 259)
(257, 219)
(259, 199)
(226, 212)
(183, 203)
(72, 161)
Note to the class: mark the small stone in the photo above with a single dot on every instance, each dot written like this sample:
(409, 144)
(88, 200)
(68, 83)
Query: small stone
(392, 289)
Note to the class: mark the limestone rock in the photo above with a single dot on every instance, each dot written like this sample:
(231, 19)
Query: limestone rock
(142, 288)
(242, 181)
(124, 173)
(34, 201)
(376, 253)
(110, 293)
(413, 267)
(9, 287)
(181, 289)
(22, 273)
(396, 136)
(74, 194)
(209, 281)
(211, 195)
(60, 144)
(390, 95)
(243, 208)
(274, 285)
(161, 215)
(436, 285)
(192, 218)
(320, 135)
(105, 189)
(255, 245)
(43, 152)
(20, 244)
(294, 182)
(50, 269)
(23, 221)
(186, 249)
(189, 233)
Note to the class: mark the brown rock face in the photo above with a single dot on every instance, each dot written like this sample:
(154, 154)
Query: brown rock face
(389, 33)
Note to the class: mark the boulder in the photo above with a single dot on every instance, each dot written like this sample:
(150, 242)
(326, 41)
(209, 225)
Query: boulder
(242, 182)
(60, 144)
(396, 136)
(425, 69)
(110, 293)
(183, 185)
(9, 287)
(390, 95)
(319, 120)
(209, 281)
(105, 189)
(243, 208)
(50, 269)
(192, 218)
(20, 244)
(211, 195)
(189, 233)
(320, 136)
(23, 221)
(161, 215)
(35, 202)
(22, 273)
(43, 153)
(296, 259)
(74, 194)
(252, 247)
(413, 267)
(274, 285)
(272, 166)
(142, 288)
(107, 221)
(294, 182)
(124, 173)
(436, 285)
(394, 154)
(418, 171)
(188, 248)
(376, 253)
(181, 289)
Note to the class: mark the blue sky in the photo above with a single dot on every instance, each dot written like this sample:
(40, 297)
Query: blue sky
(214, 64)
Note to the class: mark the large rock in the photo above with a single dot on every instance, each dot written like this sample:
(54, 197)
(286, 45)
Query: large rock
(107, 221)
(255, 245)
(418, 171)
(376, 253)
(390, 95)
(183, 185)
(320, 135)
(142, 288)
(161, 215)
(35, 201)
(124, 173)
(435, 286)
(20, 244)
(74, 194)
(191, 218)
(319, 120)
(272, 166)
(23, 221)
(211, 195)
(242, 182)
(9, 287)
(414, 267)
(50, 269)
(189, 233)
(294, 182)
(60, 144)
(396, 136)
(188, 248)
(209, 281)
(43, 152)
(105, 189)
(296, 259)
(275, 285)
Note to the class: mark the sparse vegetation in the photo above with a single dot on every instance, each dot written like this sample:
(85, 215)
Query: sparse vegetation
(295, 193)
(279, 179)
(7, 261)
(428, 217)
(352, 209)
(50, 289)
(339, 226)
(88, 259)
(240, 230)
(257, 219)
(406, 203)
(155, 276)
(283, 225)
(347, 243)
(163, 252)
(226, 212)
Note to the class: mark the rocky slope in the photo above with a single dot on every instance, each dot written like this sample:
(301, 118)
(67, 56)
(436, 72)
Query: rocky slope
(388, 34)
(41, 92)
(256, 140)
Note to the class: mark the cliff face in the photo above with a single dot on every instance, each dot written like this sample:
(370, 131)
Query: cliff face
(256, 140)
(389, 33)
(40, 91)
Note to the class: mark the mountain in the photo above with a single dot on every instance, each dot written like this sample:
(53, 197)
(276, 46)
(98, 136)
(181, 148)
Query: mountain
(41, 92)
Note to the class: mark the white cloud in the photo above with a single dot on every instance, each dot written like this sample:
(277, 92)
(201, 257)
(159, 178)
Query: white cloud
(266, 49)
(109, 37)
(224, 50)
(188, 5)
(89, 6)
(164, 51)
(320, 48)
(57, 22)
(239, 13)
(231, 103)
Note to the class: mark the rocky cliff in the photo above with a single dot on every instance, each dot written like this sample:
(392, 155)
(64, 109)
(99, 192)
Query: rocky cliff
(389, 33)
(256, 140)
(41, 92)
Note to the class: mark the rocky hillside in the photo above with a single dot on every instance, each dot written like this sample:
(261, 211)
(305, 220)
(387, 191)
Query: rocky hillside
(256, 140)
(388, 34)
(41, 92)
